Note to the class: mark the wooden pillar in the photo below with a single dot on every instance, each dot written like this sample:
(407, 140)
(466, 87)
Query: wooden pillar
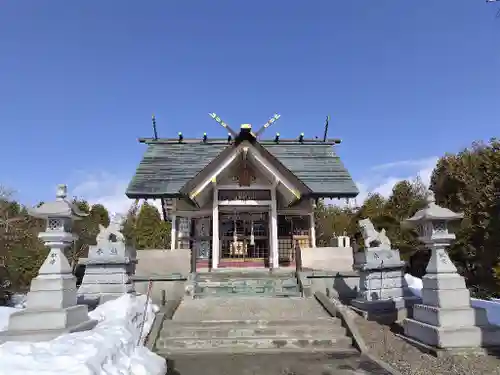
(312, 230)
(164, 209)
(274, 230)
(312, 223)
(173, 233)
(215, 226)
(298, 256)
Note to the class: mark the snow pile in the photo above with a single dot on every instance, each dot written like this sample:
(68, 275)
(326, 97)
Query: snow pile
(4, 316)
(492, 307)
(109, 349)
(17, 301)
(414, 284)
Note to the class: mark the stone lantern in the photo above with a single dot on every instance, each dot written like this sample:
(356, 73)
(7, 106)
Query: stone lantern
(445, 318)
(433, 227)
(51, 307)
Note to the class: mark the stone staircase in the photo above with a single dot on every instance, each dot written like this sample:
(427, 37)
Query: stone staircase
(252, 325)
(245, 284)
(252, 336)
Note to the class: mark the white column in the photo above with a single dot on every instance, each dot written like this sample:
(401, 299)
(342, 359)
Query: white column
(274, 229)
(312, 230)
(173, 233)
(343, 241)
(215, 226)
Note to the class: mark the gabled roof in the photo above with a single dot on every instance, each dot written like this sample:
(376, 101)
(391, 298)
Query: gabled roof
(270, 158)
(167, 166)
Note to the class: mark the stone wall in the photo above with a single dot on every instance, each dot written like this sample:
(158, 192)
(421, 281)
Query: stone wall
(338, 259)
(341, 285)
(162, 263)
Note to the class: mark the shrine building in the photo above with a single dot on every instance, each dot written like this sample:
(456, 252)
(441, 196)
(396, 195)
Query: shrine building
(241, 201)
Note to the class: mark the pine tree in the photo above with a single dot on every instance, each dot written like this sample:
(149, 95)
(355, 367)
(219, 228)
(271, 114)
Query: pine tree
(150, 231)
(99, 215)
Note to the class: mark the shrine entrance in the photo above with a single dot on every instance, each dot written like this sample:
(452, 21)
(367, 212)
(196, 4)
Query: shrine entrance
(244, 239)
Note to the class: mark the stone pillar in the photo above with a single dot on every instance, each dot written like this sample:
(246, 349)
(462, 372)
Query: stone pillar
(445, 319)
(51, 308)
(109, 267)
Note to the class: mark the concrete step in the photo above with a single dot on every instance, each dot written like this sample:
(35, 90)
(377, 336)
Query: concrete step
(322, 334)
(212, 292)
(250, 344)
(345, 362)
(242, 275)
(236, 329)
(245, 284)
(248, 283)
(320, 321)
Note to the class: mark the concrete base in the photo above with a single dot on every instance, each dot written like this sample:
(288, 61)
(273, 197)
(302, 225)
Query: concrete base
(112, 287)
(105, 289)
(379, 305)
(107, 277)
(385, 311)
(382, 311)
(463, 316)
(46, 324)
(94, 300)
(382, 317)
(439, 352)
(452, 337)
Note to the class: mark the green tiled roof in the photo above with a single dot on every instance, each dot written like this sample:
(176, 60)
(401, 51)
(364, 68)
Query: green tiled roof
(167, 167)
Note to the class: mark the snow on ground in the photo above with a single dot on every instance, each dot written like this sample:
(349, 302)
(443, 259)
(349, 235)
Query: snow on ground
(492, 307)
(17, 301)
(109, 349)
(4, 316)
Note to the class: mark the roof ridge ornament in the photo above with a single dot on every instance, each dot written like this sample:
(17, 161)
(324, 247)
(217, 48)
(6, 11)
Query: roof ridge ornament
(226, 126)
(269, 122)
(216, 117)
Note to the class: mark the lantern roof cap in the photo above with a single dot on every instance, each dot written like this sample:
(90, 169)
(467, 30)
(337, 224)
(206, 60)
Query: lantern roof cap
(60, 207)
(433, 212)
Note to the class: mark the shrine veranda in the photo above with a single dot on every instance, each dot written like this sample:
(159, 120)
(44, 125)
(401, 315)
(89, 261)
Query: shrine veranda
(241, 201)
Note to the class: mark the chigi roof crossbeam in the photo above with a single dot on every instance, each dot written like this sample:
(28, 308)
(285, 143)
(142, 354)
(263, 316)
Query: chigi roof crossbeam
(169, 163)
(233, 135)
(219, 141)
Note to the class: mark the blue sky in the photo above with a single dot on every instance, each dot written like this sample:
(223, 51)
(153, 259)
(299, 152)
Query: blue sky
(404, 82)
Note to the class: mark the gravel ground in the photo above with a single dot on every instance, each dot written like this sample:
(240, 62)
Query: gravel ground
(409, 360)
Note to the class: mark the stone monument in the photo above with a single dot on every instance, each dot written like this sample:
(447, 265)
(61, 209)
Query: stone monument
(51, 308)
(382, 293)
(445, 319)
(109, 266)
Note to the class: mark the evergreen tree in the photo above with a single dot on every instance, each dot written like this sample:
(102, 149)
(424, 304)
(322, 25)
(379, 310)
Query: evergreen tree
(99, 215)
(129, 224)
(86, 229)
(469, 182)
(150, 231)
(331, 221)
